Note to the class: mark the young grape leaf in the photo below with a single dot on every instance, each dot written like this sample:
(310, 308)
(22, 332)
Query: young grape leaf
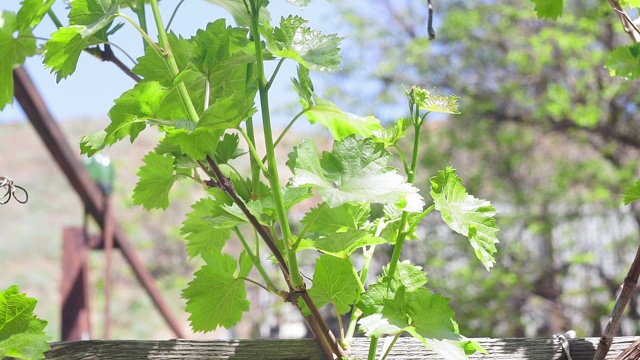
(410, 276)
(632, 193)
(31, 12)
(156, 178)
(465, 214)
(92, 143)
(334, 282)
(239, 12)
(325, 220)
(294, 40)
(220, 48)
(303, 86)
(390, 136)
(228, 112)
(198, 231)
(13, 52)
(264, 209)
(153, 67)
(624, 61)
(433, 103)
(217, 295)
(197, 144)
(228, 149)
(355, 171)
(87, 18)
(548, 9)
(341, 124)
(22, 333)
(341, 244)
(299, 3)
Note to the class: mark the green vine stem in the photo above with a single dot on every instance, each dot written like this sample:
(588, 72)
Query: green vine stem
(402, 233)
(271, 287)
(171, 62)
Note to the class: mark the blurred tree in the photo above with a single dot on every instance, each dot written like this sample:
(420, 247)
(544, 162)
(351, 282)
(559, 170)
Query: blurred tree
(546, 134)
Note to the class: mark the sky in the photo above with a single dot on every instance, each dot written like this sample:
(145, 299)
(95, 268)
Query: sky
(89, 92)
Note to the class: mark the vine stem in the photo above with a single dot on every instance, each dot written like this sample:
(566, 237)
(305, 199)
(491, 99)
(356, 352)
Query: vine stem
(296, 278)
(271, 287)
(171, 62)
(402, 233)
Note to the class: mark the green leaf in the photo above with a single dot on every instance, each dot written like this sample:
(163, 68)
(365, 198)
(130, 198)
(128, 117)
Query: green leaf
(390, 136)
(88, 18)
(294, 40)
(325, 220)
(92, 143)
(341, 124)
(410, 276)
(22, 333)
(264, 209)
(548, 9)
(624, 61)
(228, 112)
(239, 12)
(630, 3)
(433, 103)
(228, 149)
(31, 12)
(200, 234)
(303, 86)
(152, 67)
(334, 282)
(355, 171)
(132, 108)
(198, 143)
(219, 48)
(465, 214)
(341, 244)
(299, 3)
(632, 193)
(13, 52)
(156, 178)
(217, 296)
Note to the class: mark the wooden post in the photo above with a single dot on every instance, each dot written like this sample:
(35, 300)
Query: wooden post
(75, 286)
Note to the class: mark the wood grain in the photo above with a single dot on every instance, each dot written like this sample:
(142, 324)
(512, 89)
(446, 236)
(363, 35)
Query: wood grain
(307, 349)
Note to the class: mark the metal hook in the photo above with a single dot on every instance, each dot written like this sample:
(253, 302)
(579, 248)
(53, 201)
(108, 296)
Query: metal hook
(7, 183)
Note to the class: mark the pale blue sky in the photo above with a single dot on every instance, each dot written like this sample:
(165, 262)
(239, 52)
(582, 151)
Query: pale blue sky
(90, 91)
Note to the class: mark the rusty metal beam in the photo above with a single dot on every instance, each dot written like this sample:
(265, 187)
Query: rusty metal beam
(75, 286)
(36, 110)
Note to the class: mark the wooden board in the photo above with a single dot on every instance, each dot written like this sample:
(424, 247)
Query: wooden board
(306, 349)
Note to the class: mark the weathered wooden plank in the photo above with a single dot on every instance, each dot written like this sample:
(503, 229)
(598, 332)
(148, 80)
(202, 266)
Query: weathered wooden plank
(307, 349)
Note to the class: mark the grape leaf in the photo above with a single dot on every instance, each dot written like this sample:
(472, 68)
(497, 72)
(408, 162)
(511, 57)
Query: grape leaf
(341, 124)
(218, 48)
(410, 276)
(548, 9)
(22, 333)
(152, 67)
(294, 40)
(132, 108)
(92, 143)
(264, 209)
(303, 86)
(299, 3)
(228, 149)
(465, 214)
(88, 17)
(390, 136)
(228, 112)
(334, 282)
(325, 220)
(433, 103)
(197, 144)
(631, 3)
(156, 178)
(217, 295)
(198, 231)
(31, 12)
(239, 12)
(624, 61)
(13, 52)
(632, 193)
(355, 171)
(340, 244)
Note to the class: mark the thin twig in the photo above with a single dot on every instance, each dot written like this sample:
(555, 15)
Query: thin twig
(108, 55)
(627, 23)
(432, 32)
